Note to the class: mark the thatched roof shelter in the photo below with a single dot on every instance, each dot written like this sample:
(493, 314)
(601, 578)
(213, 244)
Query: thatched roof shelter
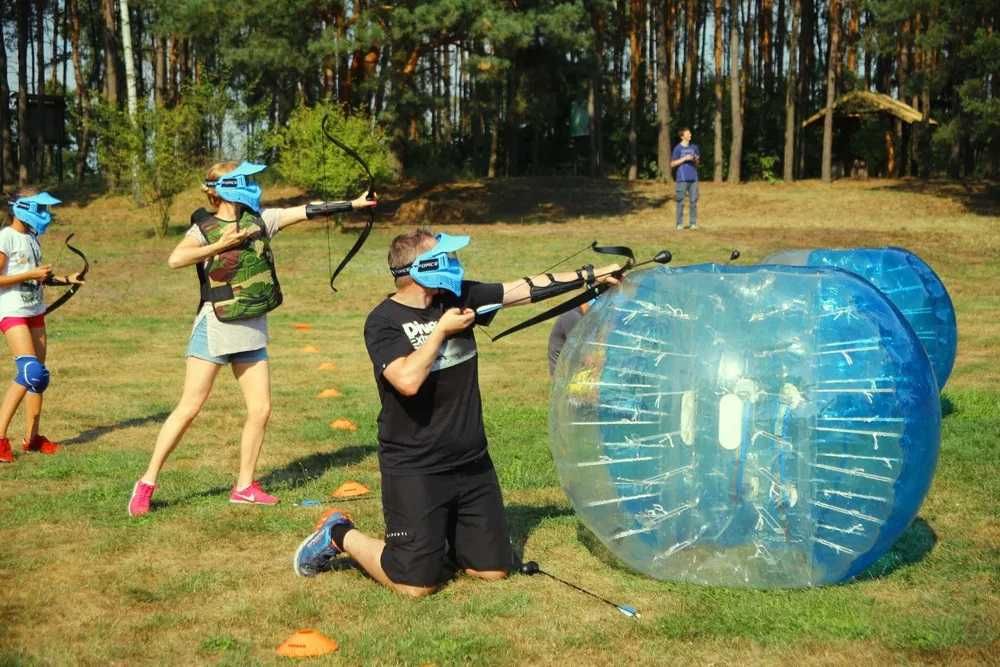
(858, 103)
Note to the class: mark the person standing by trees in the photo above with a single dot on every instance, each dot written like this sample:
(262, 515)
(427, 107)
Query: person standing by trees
(22, 316)
(685, 159)
(232, 252)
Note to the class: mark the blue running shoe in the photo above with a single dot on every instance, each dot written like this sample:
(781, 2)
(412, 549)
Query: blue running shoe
(317, 551)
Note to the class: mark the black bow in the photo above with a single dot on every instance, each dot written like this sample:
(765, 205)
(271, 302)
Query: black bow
(73, 287)
(592, 290)
(370, 196)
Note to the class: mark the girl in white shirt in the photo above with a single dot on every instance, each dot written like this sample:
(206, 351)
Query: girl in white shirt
(22, 316)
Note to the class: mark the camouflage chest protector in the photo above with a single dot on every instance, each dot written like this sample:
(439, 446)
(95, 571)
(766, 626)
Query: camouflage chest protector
(240, 283)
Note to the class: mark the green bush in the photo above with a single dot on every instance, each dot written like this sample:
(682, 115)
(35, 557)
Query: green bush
(118, 142)
(156, 156)
(307, 159)
(174, 138)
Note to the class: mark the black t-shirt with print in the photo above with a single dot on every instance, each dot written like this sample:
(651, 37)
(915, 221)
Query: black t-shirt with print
(441, 427)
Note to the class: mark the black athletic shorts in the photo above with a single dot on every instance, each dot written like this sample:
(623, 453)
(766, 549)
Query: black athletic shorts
(434, 522)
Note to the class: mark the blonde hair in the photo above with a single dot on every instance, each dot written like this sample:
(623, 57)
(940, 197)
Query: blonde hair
(215, 172)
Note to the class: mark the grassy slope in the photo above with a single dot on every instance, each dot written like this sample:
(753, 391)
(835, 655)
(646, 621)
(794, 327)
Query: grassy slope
(202, 581)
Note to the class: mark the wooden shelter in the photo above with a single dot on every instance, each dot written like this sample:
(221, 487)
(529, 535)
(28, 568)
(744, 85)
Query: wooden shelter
(858, 104)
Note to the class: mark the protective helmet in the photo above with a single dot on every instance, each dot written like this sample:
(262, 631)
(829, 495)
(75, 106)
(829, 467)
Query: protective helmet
(239, 187)
(438, 267)
(34, 210)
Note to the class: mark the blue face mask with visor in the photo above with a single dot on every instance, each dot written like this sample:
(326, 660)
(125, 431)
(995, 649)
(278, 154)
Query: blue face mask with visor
(34, 211)
(239, 186)
(438, 267)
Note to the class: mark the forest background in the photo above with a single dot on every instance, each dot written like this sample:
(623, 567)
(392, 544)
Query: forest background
(156, 89)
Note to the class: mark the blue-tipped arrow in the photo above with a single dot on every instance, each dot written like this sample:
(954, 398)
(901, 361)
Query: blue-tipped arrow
(531, 568)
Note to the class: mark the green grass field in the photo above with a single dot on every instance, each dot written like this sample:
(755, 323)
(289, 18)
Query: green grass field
(200, 581)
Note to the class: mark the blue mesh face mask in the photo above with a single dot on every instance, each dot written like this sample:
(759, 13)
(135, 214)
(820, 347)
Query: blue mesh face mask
(239, 186)
(34, 211)
(439, 267)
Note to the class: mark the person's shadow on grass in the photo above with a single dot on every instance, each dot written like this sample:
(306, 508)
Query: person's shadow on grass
(92, 434)
(290, 476)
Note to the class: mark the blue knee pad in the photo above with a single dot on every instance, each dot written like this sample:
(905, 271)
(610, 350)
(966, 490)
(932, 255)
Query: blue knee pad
(31, 374)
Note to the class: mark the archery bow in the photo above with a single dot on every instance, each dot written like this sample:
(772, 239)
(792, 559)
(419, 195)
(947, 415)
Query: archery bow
(593, 290)
(73, 287)
(370, 196)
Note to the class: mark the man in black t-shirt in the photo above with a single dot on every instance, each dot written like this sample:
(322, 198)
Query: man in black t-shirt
(440, 495)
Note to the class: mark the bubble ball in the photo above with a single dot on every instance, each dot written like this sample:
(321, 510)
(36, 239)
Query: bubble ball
(909, 283)
(766, 426)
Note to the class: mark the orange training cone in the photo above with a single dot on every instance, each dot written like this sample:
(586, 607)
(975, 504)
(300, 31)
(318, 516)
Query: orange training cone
(307, 643)
(343, 424)
(350, 489)
(329, 393)
(310, 348)
(302, 326)
(328, 366)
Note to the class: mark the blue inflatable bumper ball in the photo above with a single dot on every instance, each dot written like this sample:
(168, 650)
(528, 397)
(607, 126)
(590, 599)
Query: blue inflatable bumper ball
(769, 426)
(909, 283)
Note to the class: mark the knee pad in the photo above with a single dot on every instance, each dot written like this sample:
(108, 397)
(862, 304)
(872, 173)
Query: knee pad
(31, 374)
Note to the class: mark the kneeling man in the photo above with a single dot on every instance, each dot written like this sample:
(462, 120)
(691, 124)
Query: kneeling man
(440, 496)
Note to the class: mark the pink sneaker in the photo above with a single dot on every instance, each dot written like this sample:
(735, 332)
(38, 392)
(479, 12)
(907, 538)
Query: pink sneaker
(252, 495)
(138, 504)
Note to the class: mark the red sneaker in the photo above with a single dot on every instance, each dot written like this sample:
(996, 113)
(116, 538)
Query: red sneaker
(252, 495)
(40, 444)
(138, 504)
(6, 453)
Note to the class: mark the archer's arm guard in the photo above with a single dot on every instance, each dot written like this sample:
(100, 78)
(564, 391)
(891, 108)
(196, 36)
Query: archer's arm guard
(327, 208)
(584, 277)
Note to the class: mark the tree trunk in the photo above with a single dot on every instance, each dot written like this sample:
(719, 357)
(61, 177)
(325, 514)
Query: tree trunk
(128, 56)
(720, 30)
(663, 94)
(160, 71)
(925, 98)
(39, 46)
(595, 97)
(491, 171)
(54, 79)
(831, 90)
(853, 30)
(804, 72)
(139, 31)
(779, 43)
(920, 68)
(23, 146)
(82, 103)
(690, 54)
(902, 78)
(6, 136)
(172, 60)
(635, 87)
(735, 103)
(791, 87)
(112, 82)
(766, 11)
(676, 80)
